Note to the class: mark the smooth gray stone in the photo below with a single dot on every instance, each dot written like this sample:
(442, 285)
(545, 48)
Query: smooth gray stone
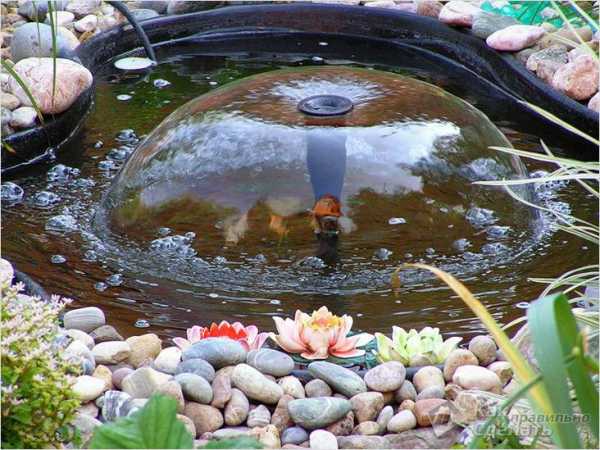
(340, 379)
(294, 435)
(271, 362)
(219, 352)
(143, 14)
(195, 387)
(36, 11)
(25, 43)
(197, 366)
(318, 412)
(484, 23)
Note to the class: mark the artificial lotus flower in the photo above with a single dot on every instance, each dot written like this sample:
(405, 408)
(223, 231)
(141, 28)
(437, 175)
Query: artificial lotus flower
(248, 336)
(319, 335)
(414, 346)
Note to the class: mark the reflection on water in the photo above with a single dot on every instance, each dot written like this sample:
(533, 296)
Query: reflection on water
(213, 216)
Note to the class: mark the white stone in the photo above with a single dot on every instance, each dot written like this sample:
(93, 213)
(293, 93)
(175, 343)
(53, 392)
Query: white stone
(323, 440)
(477, 377)
(61, 18)
(515, 37)
(88, 388)
(111, 352)
(82, 337)
(403, 421)
(88, 23)
(23, 117)
(168, 359)
(458, 13)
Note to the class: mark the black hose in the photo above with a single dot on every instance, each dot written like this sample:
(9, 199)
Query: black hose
(120, 6)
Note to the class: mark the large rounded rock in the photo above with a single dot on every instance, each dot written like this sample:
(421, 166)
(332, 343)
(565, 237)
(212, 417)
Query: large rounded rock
(367, 405)
(236, 411)
(167, 360)
(578, 79)
(105, 333)
(428, 376)
(403, 421)
(457, 358)
(294, 435)
(88, 388)
(28, 42)
(546, 62)
(143, 349)
(205, 417)
(515, 37)
(318, 412)
(81, 8)
(219, 352)
(477, 377)
(172, 389)
(255, 385)
(406, 392)
(432, 411)
(197, 366)
(195, 387)
(72, 80)
(143, 382)
(36, 10)
(221, 386)
(386, 377)
(281, 416)
(503, 369)
(485, 23)
(317, 388)
(458, 13)
(323, 440)
(259, 417)
(111, 352)
(342, 380)
(271, 362)
(292, 386)
(484, 348)
(84, 319)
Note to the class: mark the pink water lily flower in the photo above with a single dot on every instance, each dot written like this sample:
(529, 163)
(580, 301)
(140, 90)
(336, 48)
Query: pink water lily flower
(319, 335)
(248, 336)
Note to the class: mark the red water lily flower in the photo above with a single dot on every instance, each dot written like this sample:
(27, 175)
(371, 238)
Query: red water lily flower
(248, 336)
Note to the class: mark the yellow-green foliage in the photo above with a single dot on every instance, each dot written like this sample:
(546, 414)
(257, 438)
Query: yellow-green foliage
(37, 400)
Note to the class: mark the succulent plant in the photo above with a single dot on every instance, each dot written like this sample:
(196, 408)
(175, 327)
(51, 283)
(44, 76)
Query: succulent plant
(414, 347)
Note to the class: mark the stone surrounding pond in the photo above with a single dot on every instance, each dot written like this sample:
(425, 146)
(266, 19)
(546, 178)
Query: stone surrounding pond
(340, 379)
(219, 352)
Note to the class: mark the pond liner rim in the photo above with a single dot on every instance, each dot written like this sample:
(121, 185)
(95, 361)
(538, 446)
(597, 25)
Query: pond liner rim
(37, 144)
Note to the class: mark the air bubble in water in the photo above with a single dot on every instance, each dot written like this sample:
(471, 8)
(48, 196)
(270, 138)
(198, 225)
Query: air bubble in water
(480, 217)
(100, 286)
(160, 83)
(164, 231)
(220, 260)
(90, 255)
(213, 83)
(461, 244)
(383, 254)
(115, 279)
(141, 323)
(522, 305)
(213, 295)
(58, 259)
(60, 172)
(45, 198)
(107, 164)
(312, 262)
(126, 135)
(62, 222)
(11, 192)
(396, 221)
(494, 248)
(498, 232)
(323, 44)
(119, 154)
(124, 97)
(430, 251)
(98, 144)
(173, 245)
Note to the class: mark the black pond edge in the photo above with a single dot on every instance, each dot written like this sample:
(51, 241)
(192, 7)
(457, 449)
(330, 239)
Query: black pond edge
(503, 70)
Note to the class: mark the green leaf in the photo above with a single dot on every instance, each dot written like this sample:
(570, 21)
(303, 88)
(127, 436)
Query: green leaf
(243, 442)
(154, 426)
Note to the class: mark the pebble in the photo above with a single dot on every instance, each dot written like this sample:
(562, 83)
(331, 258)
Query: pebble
(503, 369)
(429, 8)
(172, 389)
(403, 421)
(451, 391)
(340, 379)
(458, 13)
(23, 117)
(168, 359)
(367, 405)
(515, 37)
(143, 14)
(271, 362)
(477, 377)
(59, 18)
(317, 388)
(144, 348)
(386, 377)
(104, 374)
(546, 62)
(218, 352)
(367, 428)
(359, 442)
(160, 83)
(81, 336)
(294, 435)
(88, 388)
(221, 386)
(318, 412)
(197, 366)
(406, 392)
(205, 417)
(281, 417)
(323, 440)
(578, 79)
(237, 409)
(195, 388)
(9, 101)
(484, 348)
(456, 358)
(87, 23)
(85, 425)
(292, 386)
(143, 382)
(431, 392)
(81, 8)
(344, 426)
(119, 374)
(45, 198)
(267, 436)
(89, 409)
(259, 417)
(428, 376)
(111, 352)
(485, 23)
(105, 333)
(384, 416)
(84, 319)
(255, 385)
(11, 192)
(407, 404)
(188, 423)
(431, 411)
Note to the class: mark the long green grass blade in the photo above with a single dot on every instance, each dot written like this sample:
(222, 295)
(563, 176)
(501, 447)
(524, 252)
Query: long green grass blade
(24, 86)
(54, 30)
(592, 23)
(572, 29)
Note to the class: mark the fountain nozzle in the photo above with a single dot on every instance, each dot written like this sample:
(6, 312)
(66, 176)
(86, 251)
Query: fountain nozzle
(325, 105)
